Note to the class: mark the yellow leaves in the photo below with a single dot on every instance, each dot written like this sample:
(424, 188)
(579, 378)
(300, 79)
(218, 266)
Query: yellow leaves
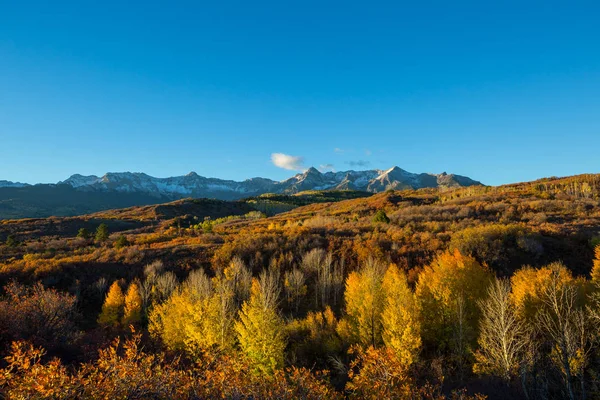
(529, 284)
(401, 325)
(364, 303)
(451, 284)
(112, 309)
(596, 267)
(261, 330)
(168, 320)
(133, 305)
(378, 374)
(192, 323)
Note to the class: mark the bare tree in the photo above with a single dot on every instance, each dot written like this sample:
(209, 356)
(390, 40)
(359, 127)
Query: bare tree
(165, 284)
(558, 320)
(270, 288)
(240, 277)
(199, 283)
(324, 282)
(339, 272)
(502, 335)
(295, 287)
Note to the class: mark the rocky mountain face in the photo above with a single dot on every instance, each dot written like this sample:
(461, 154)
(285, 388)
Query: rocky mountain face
(194, 185)
(80, 193)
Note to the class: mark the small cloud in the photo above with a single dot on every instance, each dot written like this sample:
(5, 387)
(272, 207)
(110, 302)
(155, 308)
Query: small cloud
(326, 167)
(368, 152)
(285, 161)
(359, 163)
(338, 150)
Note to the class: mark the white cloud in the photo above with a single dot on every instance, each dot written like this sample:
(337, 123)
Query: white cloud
(368, 152)
(338, 150)
(326, 167)
(285, 161)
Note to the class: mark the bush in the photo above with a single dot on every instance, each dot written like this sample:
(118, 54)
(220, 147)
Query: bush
(121, 242)
(381, 216)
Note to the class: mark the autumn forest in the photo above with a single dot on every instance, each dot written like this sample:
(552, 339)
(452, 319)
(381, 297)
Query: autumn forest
(456, 293)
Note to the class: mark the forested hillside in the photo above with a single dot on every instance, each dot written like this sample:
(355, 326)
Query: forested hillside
(430, 293)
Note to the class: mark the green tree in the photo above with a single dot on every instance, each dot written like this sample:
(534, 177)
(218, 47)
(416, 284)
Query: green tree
(11, 241)
(381, 216)
(102, 232)
(121, 242)
(83, 233)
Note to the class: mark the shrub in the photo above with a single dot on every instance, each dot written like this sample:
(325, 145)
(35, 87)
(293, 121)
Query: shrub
(381, 216)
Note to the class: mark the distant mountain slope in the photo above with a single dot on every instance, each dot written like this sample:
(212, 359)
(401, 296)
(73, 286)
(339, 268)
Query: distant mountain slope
(86, 194)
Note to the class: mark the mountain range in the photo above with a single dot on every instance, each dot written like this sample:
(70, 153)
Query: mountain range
(80, 193)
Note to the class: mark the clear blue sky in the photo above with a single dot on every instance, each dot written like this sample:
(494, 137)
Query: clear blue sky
(501, 91)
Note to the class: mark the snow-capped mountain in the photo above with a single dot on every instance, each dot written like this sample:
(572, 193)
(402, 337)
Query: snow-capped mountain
(86, 194)
(194, 185)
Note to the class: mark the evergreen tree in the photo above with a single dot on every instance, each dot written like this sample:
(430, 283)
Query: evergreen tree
(102, 232)
(83, 233)
(381, 216)
(11, 241)
(121, 242)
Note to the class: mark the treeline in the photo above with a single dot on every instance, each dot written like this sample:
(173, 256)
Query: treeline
(315, 330)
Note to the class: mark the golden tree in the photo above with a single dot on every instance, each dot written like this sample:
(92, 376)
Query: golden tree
(113, 307)
(133, 305)
(364, 299)
(260, 328)
(400, 320)
(170, 319)
(596, 267)
(447, 292)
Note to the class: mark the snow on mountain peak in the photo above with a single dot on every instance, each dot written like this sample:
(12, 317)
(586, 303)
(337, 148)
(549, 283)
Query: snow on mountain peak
(194, 185)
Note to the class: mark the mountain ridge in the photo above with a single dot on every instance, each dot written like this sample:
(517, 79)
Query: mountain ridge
(91, 193)
(192, 184)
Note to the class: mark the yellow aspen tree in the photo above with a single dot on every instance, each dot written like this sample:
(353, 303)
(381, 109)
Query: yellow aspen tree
(133, 305)
(210, 323)
(529, 285)
(364, 304)
(168, 320)
(596, 267)
(113, 307)
(400, 319)
(447, 292)
(260, 329)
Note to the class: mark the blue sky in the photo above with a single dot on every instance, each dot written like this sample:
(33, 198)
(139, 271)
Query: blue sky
(499, 91)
